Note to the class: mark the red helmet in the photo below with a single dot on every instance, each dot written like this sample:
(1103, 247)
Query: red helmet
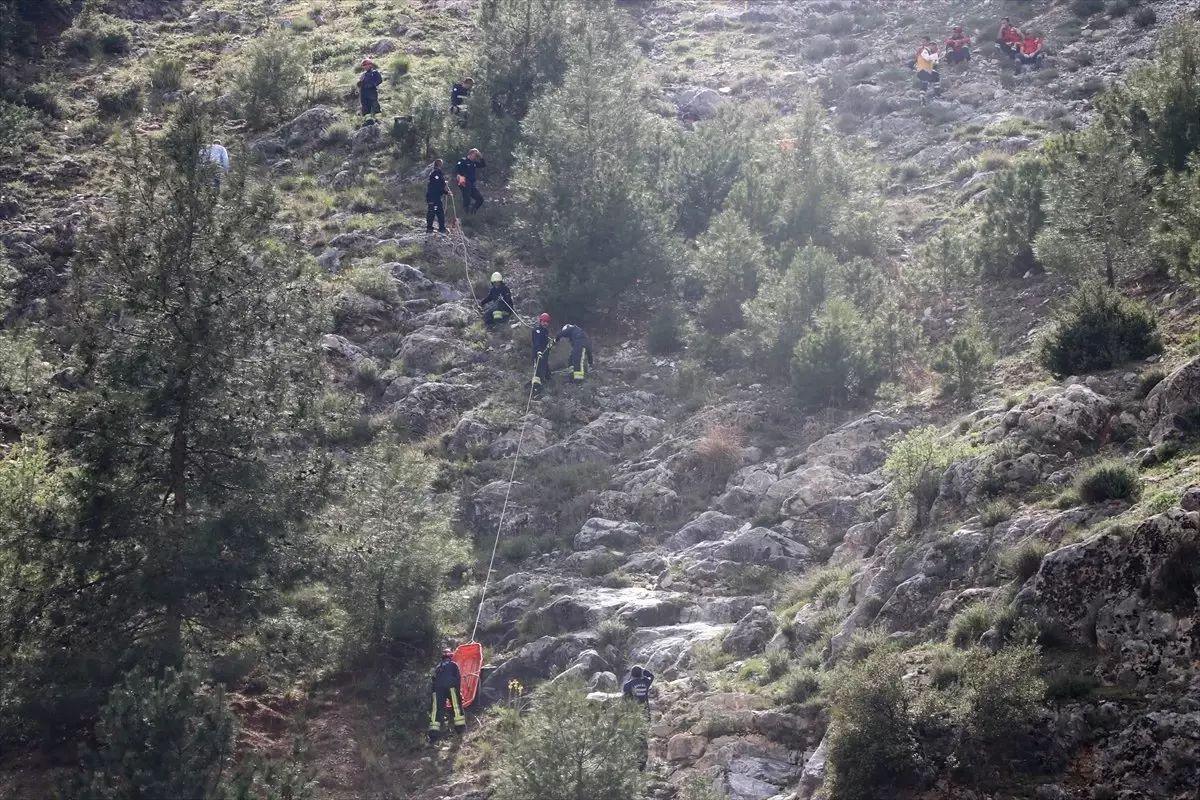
(447, 652)
(544, 318)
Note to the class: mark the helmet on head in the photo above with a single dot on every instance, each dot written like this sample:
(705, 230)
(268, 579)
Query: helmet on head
(544, 318)
(635, 672)
(497, 277)
(447, 652)
(958, 28)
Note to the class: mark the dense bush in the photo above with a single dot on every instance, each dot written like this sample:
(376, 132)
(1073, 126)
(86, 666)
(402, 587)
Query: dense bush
(569, 748)
(1099, 329)
(665, 336)
(267, 87)
(781, 312)
(120, 101)
(1024, 560)
(166, 74)
(1012, 217)
(963, 363)
(1113, 480)
(834, 361)
(729, 259)
(914, 469)
(94, 35)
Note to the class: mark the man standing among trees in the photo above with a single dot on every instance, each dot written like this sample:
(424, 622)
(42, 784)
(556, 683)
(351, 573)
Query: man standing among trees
(447, 690)
(435, 191)
(460, 92)
(466, 170)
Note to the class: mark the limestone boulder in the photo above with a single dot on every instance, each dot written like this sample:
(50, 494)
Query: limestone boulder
(608, 533)
(434, 350)
(1062, 418)
(751, 633)
(1172, 402)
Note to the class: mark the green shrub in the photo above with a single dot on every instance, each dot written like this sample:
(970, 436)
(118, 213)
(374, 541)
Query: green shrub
(970, 624)
(993, 512)
(1145, 17)
(567, 746)
(699, 787)
(16, 127)
(374, 281)
(1012, 215)
(914, 469)
(665, 336)
(1148, 380)
(120, 101)
(1113, 480)
(801, 686)
(337, 134)
(963, 363)
(1070, 687)
(1099, 329)
(1001, 694)
(729, 258)
(42, 97)
(399, 66)
(94, 35)
(835, 361)
(871, 749)
(166, 74)
(1086, 8)
(614, 632)
(1160, 502)
(268, 85)
(1023, 560)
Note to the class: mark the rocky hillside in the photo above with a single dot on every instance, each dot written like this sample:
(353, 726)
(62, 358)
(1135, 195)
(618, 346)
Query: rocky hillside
(749, 553)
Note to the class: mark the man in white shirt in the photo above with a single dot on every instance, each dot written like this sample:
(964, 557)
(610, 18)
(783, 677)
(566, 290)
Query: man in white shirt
(218, 155)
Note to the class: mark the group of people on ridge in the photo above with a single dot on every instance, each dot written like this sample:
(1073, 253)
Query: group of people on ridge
(1023, 49)
(466, 170)
(368, 91)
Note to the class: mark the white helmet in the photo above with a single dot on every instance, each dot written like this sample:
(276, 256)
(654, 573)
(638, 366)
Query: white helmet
(497, 277)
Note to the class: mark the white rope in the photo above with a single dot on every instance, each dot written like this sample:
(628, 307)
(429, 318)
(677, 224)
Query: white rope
(512, 476)
(466, 257)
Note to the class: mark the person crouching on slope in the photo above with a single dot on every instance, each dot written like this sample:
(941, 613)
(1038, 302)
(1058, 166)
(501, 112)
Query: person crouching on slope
(447, 690)
(498, 304)
(958, 47)
(581, 351)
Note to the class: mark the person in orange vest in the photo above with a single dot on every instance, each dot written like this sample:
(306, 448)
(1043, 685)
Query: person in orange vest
(1008, 41)
(1031, 54)
(447, 691)
(926, 65)
(958, 47)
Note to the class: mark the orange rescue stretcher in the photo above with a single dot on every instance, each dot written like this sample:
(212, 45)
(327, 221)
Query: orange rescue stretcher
(469, 658)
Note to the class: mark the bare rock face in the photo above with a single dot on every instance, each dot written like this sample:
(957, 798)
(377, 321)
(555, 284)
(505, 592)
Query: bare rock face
(1172, 401)
(751, 633)
(608, 533)
(1062, 418)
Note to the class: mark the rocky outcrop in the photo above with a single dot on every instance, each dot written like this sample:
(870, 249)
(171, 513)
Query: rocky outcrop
(607, 533)
(751, 633)
(1171, 406)
(1061, 418)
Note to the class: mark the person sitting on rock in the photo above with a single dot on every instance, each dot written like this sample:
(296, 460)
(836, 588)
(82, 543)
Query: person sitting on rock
(958, 47)
(498, 304)
(460, 92)
(447, 695)
(926, 65)
(368, 90)
(581, 351)
(1031, 54)
(1008, 41)
(541, 353)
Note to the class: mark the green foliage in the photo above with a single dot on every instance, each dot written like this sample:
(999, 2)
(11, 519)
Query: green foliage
(993, 512)
(120, 101)
(1012, 215)
(568, 748)
(871, 747)
(665, 336)
(1099, 329)
(399, 66)
(391, 549)
(971, 623)
(525, 50)
(16, 124)
(374, 281)
(698, 787)
(1023, 561)
(915, 467)
(191, 344)
(1177, 203)
(801, 686)
(267, 87)
(1001, 693)
(1145, 17)
(1112, 480)
(963, 363)
(729, 259)
(588, 147)
(614, 632)
(781, 312)
(1148, 380)
(945, 262)
(834, 361)
(1096, 209)
(94, 35)
(166, 74)
(1086, 8)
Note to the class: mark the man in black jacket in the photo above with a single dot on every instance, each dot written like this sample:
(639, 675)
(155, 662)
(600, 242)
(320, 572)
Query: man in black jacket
(368, 90)
(466, 170)
(541, 353)
(435, 191)
(637, 688)
(459, 92)
(498, 304)
(581, 351)
(447, 690)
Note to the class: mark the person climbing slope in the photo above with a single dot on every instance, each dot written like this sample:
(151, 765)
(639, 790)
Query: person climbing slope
(581, 351)
(1031, 54)
(435, 193)
(368, 90)
(467, 171)
(958, 47)
(447, 689)
(460, 92)
(498, 304)
(926, 66)
(1008, 40)
(637, 689)
(541, 353)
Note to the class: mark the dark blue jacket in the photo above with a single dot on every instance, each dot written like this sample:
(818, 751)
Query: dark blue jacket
(575, 335)
(446, 675)
(370, 80)
(466, 167)
(500, 292)
(639, 688)
(541, 340)
(436, 187)
(457, 93)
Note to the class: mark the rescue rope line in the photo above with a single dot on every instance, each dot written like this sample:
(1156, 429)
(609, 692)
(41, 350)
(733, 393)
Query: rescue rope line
(512, 476)
(466, 257)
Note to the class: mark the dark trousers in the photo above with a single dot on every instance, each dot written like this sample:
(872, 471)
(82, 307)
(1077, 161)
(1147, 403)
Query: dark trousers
(581, 357)
(370, 102)
(438, 211)
(1034, 61)
(958, 56)
(471, 195)
(928, 79)
(541, 373)
(439, 713)
(495, 311)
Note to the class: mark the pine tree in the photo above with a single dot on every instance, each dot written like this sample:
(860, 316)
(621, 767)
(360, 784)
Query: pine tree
(1012, 216)
(179, 486)
(729, 259)
(525, 49)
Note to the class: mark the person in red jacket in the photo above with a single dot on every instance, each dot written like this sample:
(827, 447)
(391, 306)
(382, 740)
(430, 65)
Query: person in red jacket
(958, 47)
(1031, 54)
(1008, 42)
